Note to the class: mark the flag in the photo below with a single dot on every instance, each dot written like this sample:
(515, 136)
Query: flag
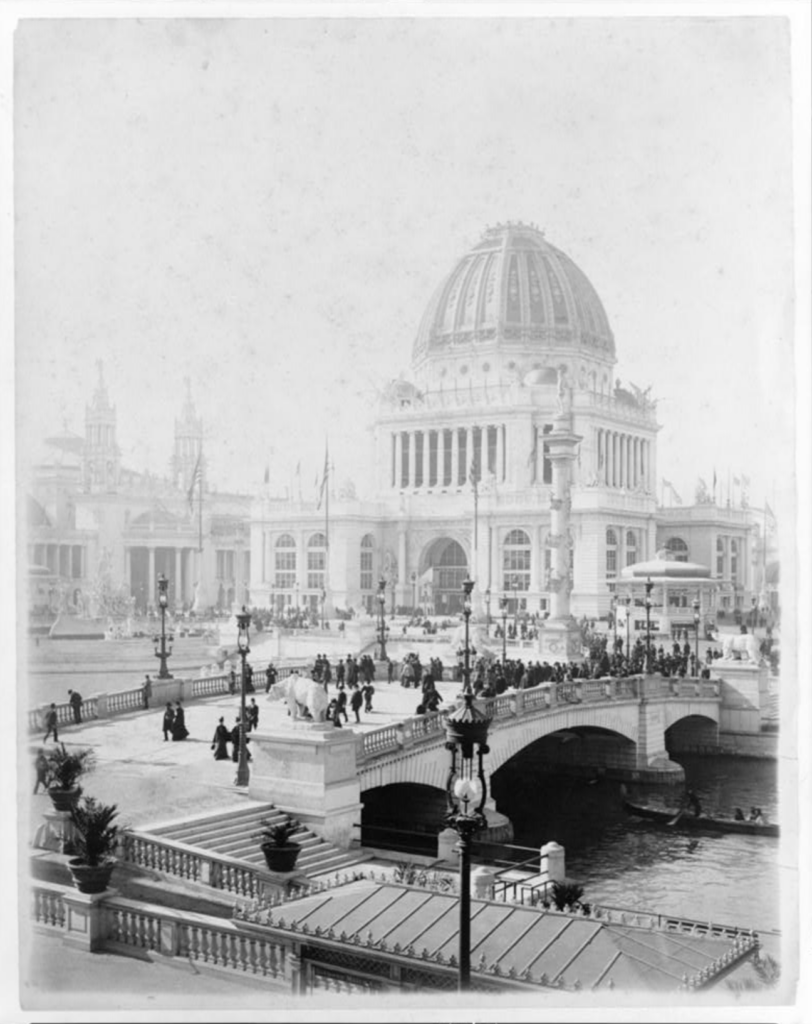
(769, 519)
(197, 478)
(298, 468)
(324, 477)
(745, 480)
(267, 474)
(675, 496)
(714, 480)
(736, 482)
(473, 473)
(531, 458)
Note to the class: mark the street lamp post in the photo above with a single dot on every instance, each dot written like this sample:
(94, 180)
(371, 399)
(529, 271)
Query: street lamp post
(488, 610)
(163, 653)
(414, 592)
(323, 599)
(467, 588)
(243, 622)
(696, 627)
(628, 616)
(504, 605)
(649, 588)
(466, 791)
(382, 616)
(614, 621)
(393, 583)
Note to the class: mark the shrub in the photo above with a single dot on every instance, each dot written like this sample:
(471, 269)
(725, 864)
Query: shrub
(95, 836)
(65, 767)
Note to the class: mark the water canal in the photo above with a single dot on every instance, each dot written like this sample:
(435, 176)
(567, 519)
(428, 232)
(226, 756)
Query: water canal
(626, 862)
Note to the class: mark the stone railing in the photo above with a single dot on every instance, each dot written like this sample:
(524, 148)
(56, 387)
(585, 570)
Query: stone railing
(120, 702)
(535, 701)
(193, 864)
(115, 924)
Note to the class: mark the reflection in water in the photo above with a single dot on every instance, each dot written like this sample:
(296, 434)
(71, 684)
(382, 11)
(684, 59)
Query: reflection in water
(626, 862)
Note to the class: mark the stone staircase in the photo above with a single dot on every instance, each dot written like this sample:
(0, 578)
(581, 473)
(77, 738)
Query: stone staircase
(233, 833)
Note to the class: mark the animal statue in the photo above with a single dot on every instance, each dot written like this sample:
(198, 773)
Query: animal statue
(734, 646)
(301, 695)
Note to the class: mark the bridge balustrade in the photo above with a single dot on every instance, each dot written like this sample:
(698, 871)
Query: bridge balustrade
(536, 700)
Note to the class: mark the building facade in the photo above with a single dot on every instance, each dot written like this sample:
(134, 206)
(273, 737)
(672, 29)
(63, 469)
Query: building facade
(98, 534)
(513, 336)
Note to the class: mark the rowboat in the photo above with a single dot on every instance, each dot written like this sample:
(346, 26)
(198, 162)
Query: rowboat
(688, 821)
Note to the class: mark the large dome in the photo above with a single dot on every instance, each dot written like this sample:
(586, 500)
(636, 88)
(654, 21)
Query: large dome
(514, 287)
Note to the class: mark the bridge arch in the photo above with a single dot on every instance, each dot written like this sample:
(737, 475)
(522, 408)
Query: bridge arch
(404, 815)
(692, 732)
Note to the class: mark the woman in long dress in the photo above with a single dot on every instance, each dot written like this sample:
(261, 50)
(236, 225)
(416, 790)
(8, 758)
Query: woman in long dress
(220, 742)
(179, 730)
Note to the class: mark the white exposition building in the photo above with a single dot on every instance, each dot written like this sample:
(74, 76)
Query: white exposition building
(513, 338)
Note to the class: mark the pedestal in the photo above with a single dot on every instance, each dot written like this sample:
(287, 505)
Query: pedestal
(560, 641)
(55, 833)
(309, 771)
(745, 695)
(84, 914)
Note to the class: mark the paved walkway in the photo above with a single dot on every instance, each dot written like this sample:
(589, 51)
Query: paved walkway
(154, 780)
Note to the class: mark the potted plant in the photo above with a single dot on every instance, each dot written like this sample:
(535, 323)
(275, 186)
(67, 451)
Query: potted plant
(279, 850)
(65, 768)
(94, 841)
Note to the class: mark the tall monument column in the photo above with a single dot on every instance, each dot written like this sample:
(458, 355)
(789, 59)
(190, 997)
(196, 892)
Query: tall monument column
(560, 637)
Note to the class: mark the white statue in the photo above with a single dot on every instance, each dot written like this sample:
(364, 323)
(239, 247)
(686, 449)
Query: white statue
(301, 693)
(741, 644)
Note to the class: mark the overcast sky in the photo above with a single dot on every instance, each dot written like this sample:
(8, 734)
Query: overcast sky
(267, 206)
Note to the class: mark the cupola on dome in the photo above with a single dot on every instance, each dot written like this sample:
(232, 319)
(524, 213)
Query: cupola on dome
(514, 287)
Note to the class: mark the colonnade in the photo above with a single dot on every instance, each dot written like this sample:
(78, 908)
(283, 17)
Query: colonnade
(180, 565)
(623, 459)
(67, 560)
(443, 457)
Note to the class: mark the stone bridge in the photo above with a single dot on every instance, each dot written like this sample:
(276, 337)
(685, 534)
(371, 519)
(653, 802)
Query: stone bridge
(319, 774)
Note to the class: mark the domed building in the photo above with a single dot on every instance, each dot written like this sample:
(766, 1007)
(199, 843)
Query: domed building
(512, 338)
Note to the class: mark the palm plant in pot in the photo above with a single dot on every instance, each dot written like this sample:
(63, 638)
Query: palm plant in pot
(94, 842)
(65, 768)
(278, 848)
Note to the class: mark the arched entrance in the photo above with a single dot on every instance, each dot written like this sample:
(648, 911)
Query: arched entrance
(446, 568)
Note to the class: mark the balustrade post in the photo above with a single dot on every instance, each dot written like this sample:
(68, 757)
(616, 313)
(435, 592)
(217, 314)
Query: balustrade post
(519, 702)
(553, 693)
(101, 700)
(408, 732)
(85, 919)
(169, 932)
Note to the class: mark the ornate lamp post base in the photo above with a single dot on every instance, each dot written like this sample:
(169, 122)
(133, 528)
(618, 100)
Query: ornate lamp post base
(560, 641)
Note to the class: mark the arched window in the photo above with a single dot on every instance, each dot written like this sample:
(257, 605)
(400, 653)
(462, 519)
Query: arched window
(677, 549)
(316, 561)
(285, 563)
(611, 553)
(631, 547)
(516, 561)
(367, 550)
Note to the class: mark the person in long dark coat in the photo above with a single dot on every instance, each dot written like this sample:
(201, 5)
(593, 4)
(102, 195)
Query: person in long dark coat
(235, 742)
(179, 730)
(169, 721)
(219, 743)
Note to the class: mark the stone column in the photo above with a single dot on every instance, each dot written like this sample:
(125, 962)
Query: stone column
(560, 638)
(455, 456)
(412, 457)
(128, 569)
(426, 458)
(398, 460)
(500, 453)
(178, 577)
(151, 596)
